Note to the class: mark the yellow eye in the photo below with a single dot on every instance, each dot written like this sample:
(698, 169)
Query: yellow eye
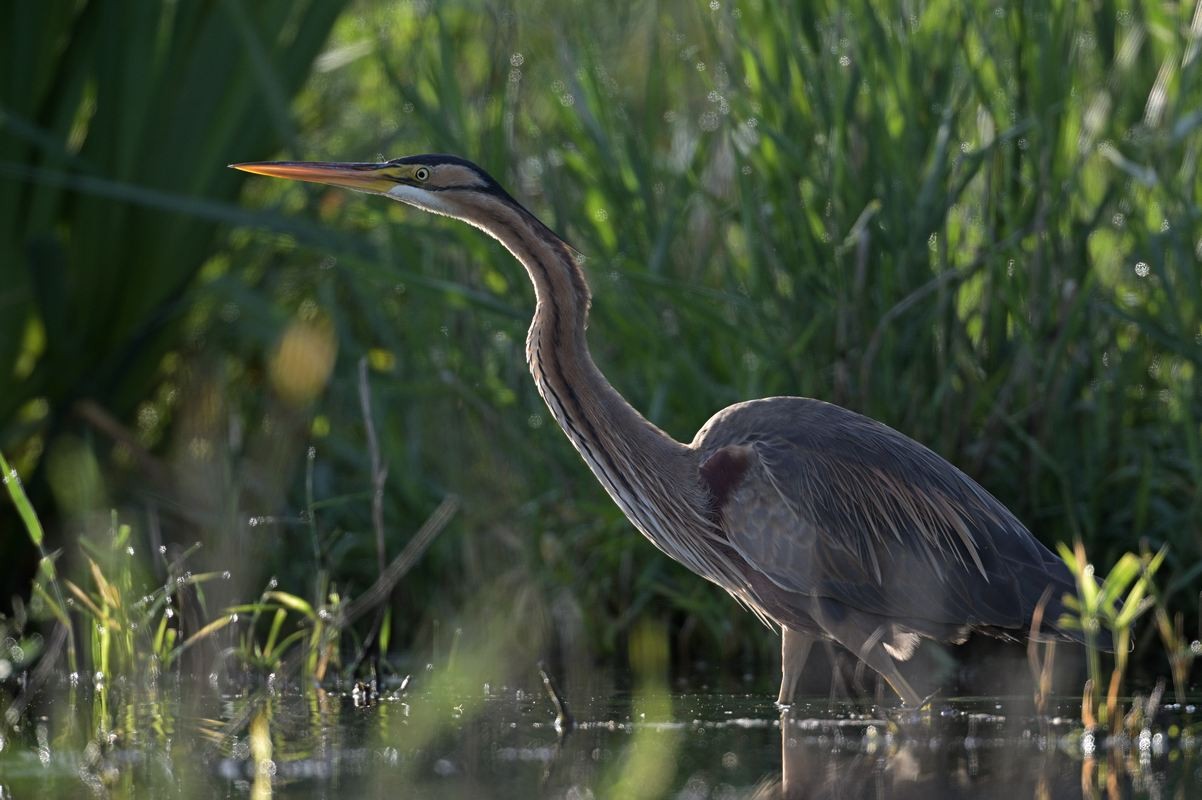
(421, 174)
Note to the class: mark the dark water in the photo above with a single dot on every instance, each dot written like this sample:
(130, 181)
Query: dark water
(503, 743)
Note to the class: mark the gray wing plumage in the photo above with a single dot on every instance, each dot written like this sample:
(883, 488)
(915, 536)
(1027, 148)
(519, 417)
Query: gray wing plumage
(830, 504)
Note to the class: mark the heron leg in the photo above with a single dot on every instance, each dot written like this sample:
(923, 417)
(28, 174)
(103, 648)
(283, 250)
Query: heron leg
(874, 655)
(866, 643)
(794, 650)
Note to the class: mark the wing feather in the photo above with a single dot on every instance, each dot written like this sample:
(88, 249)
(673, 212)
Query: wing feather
(836, 505)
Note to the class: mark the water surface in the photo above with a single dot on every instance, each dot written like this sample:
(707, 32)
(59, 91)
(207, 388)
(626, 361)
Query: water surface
(504, 743)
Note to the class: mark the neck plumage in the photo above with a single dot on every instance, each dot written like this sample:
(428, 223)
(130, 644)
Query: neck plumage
(616, 441)
(651, 476)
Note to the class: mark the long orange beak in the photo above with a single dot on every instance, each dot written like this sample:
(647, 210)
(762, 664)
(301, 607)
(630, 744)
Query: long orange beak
(363, 177)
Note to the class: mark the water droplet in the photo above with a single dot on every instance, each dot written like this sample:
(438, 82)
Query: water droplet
(225, 576)
(129, 550)
(517, 60)
(162, 549)
(1141, 269)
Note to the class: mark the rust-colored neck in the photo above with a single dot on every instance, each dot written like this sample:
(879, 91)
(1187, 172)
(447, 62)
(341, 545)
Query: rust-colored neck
(650, 475)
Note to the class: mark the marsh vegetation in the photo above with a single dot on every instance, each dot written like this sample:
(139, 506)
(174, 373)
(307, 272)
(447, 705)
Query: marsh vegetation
(977, 223)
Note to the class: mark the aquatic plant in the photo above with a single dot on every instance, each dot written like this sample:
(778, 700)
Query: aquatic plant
(1112, 605)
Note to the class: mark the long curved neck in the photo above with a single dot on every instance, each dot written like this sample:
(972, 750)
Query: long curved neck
(605, 428)
(651, 476)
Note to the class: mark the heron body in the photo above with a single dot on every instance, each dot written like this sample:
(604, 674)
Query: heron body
(822, 522)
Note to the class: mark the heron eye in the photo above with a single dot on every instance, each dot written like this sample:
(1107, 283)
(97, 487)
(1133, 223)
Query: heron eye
(422, 174)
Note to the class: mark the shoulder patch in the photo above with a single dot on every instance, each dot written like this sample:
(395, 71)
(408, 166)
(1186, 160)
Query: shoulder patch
(723, 470)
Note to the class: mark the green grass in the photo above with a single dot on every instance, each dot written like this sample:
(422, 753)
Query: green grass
(976, 223)
(1111, 606)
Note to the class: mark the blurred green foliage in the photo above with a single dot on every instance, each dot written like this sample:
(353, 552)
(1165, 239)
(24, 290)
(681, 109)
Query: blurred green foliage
(976, 222)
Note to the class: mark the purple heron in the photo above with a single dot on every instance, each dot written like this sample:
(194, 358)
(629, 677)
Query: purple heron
(821, 521)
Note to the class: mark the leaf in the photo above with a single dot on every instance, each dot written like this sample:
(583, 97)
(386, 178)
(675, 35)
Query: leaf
(293, 602)
(50, 602)
(108, 593)
(1126, 570)
(1068, 557)
(276, 624)
(83, 597)
(385, 630)
(1156, 561)
(207, 630)
(160, 636)
(1134, 608)
(12, 481)
(1069, 622)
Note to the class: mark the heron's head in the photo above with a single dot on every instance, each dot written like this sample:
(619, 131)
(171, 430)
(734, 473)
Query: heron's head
(441, 184)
